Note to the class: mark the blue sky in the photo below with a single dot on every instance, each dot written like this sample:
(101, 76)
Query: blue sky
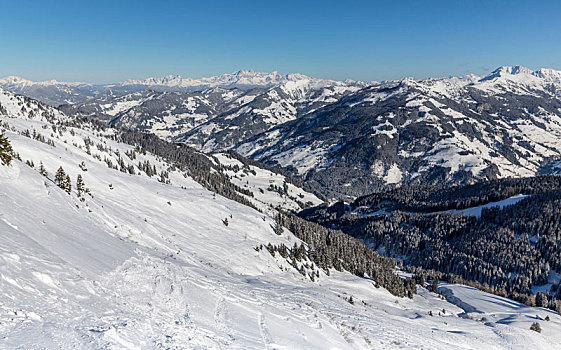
(105, 41)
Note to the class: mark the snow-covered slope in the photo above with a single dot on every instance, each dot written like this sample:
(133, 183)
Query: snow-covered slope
(269, 189)
(142, 264)
(166, 114)
(272, 107)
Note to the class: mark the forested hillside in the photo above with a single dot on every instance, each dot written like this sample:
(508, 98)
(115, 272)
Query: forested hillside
(511, 251)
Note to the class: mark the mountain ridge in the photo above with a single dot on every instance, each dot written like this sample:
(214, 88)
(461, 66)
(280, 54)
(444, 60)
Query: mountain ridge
(352, 137)
(55, 92)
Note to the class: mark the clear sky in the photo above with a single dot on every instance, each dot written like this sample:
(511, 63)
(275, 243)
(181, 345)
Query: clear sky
(106, 41)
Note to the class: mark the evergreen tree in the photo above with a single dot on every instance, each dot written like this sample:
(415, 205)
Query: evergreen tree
(67, 184)
(42, 170)
(536, 327)
(278, 225)
(434, 286)
(60, 178)
(6, 151)
(80, 186)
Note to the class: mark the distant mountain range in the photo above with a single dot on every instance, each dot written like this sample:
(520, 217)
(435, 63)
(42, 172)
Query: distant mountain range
(352, 138)
(55, 93)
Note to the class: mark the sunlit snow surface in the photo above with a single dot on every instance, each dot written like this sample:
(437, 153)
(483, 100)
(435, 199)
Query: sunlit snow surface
(476, 211)
(153, 266)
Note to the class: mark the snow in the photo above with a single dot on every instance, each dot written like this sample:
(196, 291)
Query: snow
(240, 78)
(520, 80)
(389, 174)
(476, 211)
(15, 80)
(536, 137)
(553, 278)
(259, 181)
(143, 264)
(305, 157)
(473, 211)
(393, 175)
(505, 312)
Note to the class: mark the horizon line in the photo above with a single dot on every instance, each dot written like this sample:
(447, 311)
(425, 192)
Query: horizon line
(54, 80)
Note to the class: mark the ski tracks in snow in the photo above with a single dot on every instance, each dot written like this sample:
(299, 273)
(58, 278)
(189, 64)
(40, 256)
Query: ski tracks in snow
(264, 331)
(220, 319)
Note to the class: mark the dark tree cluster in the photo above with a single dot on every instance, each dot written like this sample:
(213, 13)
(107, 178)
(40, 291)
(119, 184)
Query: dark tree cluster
(329, 248)
(504, 251)
(62, 180)
(436, 198)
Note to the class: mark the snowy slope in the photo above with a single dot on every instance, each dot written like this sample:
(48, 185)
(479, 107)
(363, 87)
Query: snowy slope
(166, 114)
(142, 264)
(268, 188)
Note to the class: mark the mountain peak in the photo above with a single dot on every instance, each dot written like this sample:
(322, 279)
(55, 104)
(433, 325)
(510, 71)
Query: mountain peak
(240, 77)
(512, 70)
(13, 79)
(506, 71)
(524, 75)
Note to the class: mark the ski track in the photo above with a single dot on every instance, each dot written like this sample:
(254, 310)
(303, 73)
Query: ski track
(264, 331)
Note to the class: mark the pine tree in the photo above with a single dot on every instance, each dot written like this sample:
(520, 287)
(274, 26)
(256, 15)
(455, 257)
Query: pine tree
(536, 327)
(434, 286)
(60, 178)
(67, 184)
(42, 170)
(6, 151)
(278, 225)
(80, 186)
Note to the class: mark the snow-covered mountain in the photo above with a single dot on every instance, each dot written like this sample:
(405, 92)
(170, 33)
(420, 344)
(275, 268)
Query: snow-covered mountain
(139, 262)
(57, 93)
(53, 92)
(275, 106)
(239, 79)
(167, 114)
(348, 138)
(217, 118)
(438, 131)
